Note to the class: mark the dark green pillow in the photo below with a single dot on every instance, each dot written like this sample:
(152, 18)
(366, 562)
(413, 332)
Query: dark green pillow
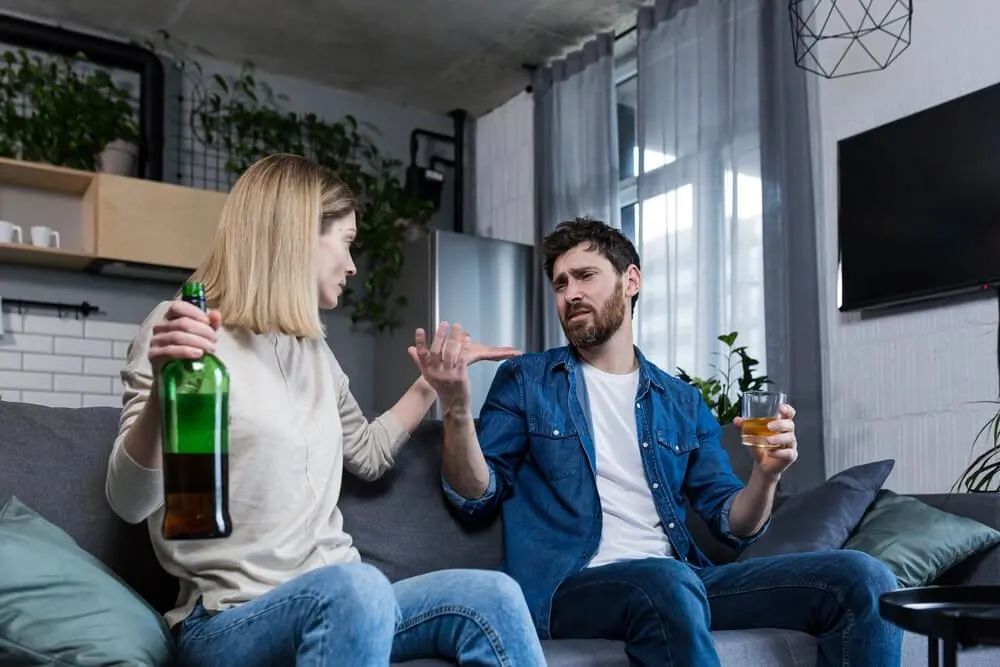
(916, 541)
(61, 606)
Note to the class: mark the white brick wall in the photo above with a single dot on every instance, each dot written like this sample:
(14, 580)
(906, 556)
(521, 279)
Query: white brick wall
(62, 362)
(505, 174)
(906, 386)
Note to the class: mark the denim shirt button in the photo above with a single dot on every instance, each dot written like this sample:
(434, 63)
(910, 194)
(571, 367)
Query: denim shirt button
(555, 432)
(645, 444)
(656, 485)
(677, 448)
(670, 525)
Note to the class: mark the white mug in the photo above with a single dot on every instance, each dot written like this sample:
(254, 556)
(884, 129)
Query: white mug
(8, 231)
(42, 236)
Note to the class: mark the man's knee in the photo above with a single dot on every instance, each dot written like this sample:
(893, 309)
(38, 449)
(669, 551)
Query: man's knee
(860, 579)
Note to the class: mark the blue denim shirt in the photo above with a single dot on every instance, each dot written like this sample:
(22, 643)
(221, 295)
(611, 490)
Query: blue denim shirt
(535, 432)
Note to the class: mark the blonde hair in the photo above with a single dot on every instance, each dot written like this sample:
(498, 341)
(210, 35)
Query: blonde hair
(261, 270)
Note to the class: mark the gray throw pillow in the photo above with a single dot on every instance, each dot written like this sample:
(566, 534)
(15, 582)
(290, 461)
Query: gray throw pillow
(823, 517)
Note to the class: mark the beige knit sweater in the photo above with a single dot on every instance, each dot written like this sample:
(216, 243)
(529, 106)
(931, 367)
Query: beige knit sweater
(294, 427)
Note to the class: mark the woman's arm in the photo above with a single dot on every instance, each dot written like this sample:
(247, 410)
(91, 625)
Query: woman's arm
(134, 482)
(370, 447)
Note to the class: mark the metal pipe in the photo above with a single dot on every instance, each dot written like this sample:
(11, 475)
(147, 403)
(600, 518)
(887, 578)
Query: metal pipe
(415, 144)
(459, 116)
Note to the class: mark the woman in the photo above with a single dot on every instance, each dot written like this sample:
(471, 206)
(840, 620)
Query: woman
(287, 587)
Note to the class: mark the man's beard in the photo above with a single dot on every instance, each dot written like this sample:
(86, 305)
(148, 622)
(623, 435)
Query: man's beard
(606, 321)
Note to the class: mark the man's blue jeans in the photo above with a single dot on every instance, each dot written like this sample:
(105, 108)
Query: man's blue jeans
(351, 616)
(665, 610)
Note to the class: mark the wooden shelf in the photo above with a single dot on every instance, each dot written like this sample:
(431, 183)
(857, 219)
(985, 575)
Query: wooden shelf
(21, 253)
(45, 177)
(149, 222)
(105, 217)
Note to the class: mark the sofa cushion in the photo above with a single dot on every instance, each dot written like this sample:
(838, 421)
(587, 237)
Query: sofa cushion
(55, 459)
(402, 523)
(982, 568)
(916, 541)
(822, 518)
(63, 606)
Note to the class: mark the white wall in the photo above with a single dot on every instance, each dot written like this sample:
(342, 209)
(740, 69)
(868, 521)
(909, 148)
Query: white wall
(904, 386)
(505, 172)
(63, 362)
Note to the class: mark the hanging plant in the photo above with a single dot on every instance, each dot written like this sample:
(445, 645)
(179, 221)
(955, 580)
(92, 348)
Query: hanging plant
(244, 120)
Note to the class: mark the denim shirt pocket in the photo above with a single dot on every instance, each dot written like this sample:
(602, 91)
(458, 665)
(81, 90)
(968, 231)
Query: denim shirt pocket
(555, 446)
(674, 449)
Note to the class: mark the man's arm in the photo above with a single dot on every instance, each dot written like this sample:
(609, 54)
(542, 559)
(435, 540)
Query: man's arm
(478, 471)
(736, 514)
(752, 506)
(463, 464)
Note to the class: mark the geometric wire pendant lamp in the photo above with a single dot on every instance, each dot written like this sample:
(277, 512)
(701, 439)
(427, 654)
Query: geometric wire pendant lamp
(836, 38)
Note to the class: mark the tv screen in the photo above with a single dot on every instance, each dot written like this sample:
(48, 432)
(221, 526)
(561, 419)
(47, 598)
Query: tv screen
(919, 204)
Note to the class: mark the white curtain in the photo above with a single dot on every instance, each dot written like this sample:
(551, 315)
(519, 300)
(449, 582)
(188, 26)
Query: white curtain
(576, 145)
(698, 186)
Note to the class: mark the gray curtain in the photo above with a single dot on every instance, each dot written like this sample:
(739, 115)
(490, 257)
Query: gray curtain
(576, 153)
(790, 255)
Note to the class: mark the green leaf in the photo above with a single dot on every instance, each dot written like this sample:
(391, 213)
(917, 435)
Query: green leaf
(718, 391)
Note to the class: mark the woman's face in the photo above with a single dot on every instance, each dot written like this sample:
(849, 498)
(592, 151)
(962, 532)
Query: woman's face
(334, 262)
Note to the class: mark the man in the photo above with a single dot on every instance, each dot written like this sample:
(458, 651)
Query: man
(593, 452)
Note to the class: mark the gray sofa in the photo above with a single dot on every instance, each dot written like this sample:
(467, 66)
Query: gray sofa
(54, 461)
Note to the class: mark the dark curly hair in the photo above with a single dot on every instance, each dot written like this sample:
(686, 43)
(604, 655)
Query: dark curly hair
(609, 242)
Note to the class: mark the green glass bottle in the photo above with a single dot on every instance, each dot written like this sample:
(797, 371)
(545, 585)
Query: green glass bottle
(194, 414)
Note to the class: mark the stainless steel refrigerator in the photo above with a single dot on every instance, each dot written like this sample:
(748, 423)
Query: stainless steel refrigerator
(484, 284)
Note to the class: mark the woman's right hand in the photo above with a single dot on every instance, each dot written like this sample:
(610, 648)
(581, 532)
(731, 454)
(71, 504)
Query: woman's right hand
(185, 332)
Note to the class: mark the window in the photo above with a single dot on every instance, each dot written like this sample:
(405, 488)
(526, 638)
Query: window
(698, 230)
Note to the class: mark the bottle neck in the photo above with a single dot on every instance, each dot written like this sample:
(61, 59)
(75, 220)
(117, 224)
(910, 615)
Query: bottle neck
(198, 302)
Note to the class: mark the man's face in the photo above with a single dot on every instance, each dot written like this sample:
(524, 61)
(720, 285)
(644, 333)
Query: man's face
(592, 300)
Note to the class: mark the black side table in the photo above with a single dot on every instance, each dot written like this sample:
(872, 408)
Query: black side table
(952, 615)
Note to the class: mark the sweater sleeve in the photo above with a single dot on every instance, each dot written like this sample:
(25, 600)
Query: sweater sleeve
(133, 491)
(370, 447)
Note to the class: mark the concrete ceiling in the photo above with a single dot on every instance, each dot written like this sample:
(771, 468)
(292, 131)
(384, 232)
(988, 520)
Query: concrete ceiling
(436, 55)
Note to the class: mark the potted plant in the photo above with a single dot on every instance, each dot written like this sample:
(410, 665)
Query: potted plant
(737, 372)
(982, 474)
(723, 392)
(63, 111)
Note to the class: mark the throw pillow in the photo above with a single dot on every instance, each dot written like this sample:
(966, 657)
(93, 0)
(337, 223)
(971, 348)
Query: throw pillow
(822, 518)
(61, 606)
(916, 541)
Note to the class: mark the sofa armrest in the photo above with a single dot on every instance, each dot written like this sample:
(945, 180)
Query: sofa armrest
(983, 568)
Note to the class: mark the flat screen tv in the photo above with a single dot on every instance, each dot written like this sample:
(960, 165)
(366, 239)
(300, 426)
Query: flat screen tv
(919, 205)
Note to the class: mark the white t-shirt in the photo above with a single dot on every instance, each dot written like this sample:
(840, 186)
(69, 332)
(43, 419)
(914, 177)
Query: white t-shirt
(632, 527)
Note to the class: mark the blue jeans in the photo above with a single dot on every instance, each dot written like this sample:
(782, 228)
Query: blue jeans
(351, 616)
(665, 610)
